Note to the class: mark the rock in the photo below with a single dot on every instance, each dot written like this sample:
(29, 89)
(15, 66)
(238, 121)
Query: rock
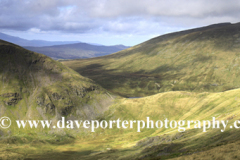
(56, 96)
(50, 108)
(13, 98)
(65, 111)
(40, 101)
(46, 104)
(7, 95)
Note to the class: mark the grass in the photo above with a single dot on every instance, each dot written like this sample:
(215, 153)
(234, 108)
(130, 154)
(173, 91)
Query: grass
(192, 74)
(42, 84)
(46, 90)
(150, 143)
(197, 60)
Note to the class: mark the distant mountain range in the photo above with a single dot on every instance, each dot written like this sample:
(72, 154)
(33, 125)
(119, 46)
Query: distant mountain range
(77, 50)
(34, 43)
(64, 49)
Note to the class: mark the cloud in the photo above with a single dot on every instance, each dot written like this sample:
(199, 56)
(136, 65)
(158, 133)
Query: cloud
(116, 17)
(190, 8)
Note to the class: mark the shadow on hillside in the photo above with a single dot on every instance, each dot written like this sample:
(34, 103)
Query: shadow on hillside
(151, 152)
(140, 83)
(58, 155)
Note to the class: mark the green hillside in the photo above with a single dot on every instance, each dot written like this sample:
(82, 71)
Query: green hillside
(202, 59)
(151, 144)
(34, 86)
(196, 71)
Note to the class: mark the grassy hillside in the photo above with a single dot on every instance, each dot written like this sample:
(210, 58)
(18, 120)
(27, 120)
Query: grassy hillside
(77, 50)
(124, 144)
(202, 59)
(33, 86)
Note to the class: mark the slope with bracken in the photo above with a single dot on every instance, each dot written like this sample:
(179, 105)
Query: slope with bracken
(202, 59)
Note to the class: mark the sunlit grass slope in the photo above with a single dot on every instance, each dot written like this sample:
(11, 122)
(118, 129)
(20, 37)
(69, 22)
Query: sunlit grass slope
(202, 59)
(35, 87)
(152, 143)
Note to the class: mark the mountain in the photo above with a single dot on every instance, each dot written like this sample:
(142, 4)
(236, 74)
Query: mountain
(199, 60)
(64, 49)
(33, 86)
(36, 43)
(77, 50)
(176, 141)
(165, 142)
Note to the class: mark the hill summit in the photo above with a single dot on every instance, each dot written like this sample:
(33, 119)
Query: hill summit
(35, 86)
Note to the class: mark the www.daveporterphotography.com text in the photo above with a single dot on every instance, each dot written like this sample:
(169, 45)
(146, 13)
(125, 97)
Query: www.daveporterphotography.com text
(139, 125)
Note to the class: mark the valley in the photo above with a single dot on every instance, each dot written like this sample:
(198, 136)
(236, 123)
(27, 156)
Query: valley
(187, 75)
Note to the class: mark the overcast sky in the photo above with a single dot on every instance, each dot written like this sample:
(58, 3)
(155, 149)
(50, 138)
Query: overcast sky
(109, 22)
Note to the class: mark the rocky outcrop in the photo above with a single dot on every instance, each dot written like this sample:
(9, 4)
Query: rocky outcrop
(67, 101)
(57, 96)
(46, 104)
(12, 98)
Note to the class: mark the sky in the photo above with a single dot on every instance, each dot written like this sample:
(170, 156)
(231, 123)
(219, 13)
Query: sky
(110, 22)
